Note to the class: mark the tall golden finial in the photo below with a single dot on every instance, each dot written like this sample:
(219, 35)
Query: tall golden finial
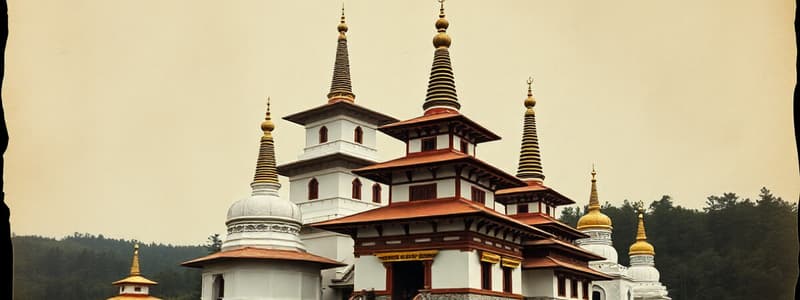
(341, 87)
(641, 246)
(266, 171)
(342, 25)
(135, 264)
(594, 219)
(530, 160)
(441, 85)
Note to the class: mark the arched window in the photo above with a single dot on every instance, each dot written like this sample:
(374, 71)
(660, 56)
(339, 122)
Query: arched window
(218, 288)
(323, 134)
(356, 189)
(376, 193)
(313, 189)
(359, 135)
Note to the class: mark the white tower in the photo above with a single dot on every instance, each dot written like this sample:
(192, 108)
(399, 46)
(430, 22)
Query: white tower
(643, 271)
(262, 256)
(598, 226)
(340, 136)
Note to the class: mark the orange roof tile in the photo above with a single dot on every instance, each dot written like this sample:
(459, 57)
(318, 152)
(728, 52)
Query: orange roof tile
(262, 254)
(543, 220)
(397, 129)
(423, 209)
(136, 279)
(551, 242)
(534, 187)
(444, 156)
(549, 262)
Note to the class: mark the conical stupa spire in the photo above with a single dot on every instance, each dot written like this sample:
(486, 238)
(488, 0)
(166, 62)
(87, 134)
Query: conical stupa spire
(641, 246)
(341, 88)
(135, 264)
(266, 172)
(530, 160)
(594, 219)
(441, 85)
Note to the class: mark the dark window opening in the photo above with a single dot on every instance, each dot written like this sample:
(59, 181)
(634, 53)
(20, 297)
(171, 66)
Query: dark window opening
(596, 296)
(218, 288)
(522, 208)
(573, 288)
(313, 189)
(376, 193)
(562, 287)
(356, 189)
(547, 208)
(478, 195)
(464, 147)
(586, 290)
(429, 144)
(507, 280)
(323, 134)
(359, 135)
(422, 192)
(486, 275)
(137, 289)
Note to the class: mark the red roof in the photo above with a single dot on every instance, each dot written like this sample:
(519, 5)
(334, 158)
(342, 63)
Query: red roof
(262, 254)
(443, 156)
(534, 187)
(543, 221)
(555, 243)
(549, 262)
(398, 129)
(423, 209)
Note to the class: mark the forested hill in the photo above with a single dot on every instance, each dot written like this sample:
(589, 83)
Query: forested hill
(83, 266)
(731, 249)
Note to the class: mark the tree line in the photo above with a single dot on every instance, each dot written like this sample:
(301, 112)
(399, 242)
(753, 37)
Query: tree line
(732, 248)
(83, 266)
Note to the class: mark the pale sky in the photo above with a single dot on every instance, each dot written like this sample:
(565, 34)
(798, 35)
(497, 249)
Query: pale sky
(140, 119)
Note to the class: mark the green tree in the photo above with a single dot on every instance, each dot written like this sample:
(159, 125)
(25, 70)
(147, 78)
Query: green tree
(214, 243)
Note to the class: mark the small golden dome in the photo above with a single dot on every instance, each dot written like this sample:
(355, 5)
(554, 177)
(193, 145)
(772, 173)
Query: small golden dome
(594, 219)
(441, 40)
(342, 27)
(442, 23)
(641, 246)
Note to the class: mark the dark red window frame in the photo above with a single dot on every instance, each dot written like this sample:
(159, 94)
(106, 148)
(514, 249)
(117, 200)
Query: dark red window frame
(356, 189)
(428, 144)
(522, 208)
(562, 286)
(422, 192)
(313, 189)
(358, 135)
(478, 195)
(323, 134)
(376, 193)
(486, 275)
(507, 280)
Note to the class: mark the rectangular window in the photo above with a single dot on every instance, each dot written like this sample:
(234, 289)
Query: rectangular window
(547, 207)
(586, 290)
(507, 280)
(573, 288)
(562, 287)
(429, 144)
(422, 192)
(486, 275)
(478, 195)
(522, 208)
(464, 147)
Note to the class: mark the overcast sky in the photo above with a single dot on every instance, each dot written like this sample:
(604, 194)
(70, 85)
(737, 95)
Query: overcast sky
(140, 119)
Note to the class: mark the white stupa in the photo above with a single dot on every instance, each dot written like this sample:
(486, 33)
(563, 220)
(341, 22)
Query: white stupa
(262, 256)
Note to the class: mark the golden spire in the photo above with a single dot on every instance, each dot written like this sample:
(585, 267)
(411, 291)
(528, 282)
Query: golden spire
(530, 160)
(441, 85)
(594, 219)
(135, 264)
(265, 167)
(641, 246)
(341, 88)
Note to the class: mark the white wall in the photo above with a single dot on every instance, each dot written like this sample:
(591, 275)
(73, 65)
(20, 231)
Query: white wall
(370, 274)
(264, 280)
(466, 192)
(450, 269)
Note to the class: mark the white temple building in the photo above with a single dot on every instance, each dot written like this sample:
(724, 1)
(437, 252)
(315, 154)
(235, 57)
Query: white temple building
(640, 281)
(135, 286)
